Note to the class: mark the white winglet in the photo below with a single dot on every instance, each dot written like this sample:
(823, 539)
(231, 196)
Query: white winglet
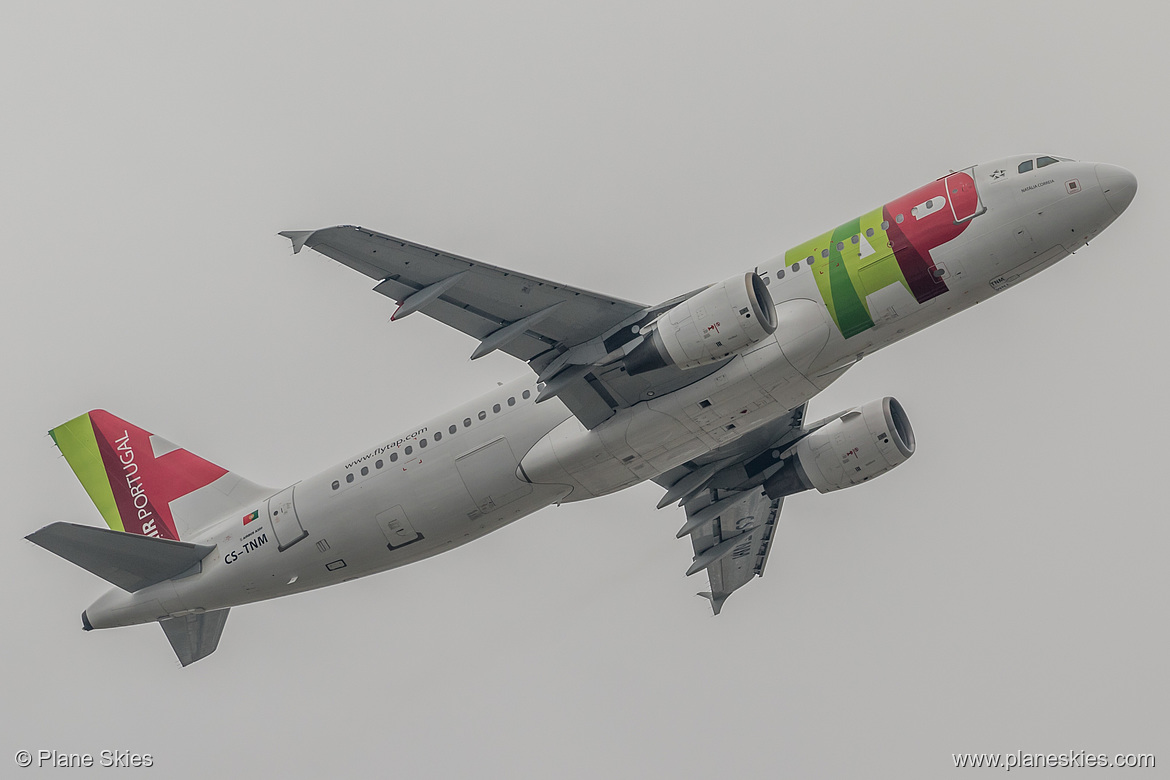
(298, 237)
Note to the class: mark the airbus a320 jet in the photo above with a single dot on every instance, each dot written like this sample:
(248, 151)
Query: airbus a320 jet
(704, 394)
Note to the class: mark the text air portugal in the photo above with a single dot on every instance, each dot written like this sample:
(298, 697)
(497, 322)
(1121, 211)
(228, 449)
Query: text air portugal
(143, 485)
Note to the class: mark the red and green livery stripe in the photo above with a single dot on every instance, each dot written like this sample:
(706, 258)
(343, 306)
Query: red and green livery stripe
(889, 245)
(130, 475)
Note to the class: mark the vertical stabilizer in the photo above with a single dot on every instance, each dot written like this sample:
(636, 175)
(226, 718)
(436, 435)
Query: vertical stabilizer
(143, 484)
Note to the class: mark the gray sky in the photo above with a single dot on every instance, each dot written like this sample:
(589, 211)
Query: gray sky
(1005, 589)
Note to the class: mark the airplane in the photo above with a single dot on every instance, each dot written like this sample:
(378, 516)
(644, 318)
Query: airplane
(704, 394)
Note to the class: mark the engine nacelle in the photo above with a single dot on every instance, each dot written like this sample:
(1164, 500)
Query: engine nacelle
(861, 444)
(708, 327)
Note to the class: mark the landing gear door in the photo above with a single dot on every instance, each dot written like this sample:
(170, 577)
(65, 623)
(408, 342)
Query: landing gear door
(282, 515)
(964, 196)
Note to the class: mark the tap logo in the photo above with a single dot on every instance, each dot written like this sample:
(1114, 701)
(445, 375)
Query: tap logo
(131, 475)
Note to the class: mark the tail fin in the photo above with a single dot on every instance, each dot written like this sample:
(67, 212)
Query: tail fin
(143, 484)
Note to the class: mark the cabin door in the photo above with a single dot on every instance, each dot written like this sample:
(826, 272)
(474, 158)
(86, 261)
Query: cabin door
(282, 516)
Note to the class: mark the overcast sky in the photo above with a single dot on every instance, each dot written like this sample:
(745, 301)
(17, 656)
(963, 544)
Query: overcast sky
(1004, 590)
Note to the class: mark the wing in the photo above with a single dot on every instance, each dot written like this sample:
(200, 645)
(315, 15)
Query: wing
(474, 297)
(571, 338)
(734, 547)
(730, 520)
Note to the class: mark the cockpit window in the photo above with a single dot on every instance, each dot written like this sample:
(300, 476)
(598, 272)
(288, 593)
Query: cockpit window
(1025, 166)
(1040, 163)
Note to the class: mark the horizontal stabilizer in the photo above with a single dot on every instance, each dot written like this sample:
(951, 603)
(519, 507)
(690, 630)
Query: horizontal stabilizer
(130, 561)
(195, 636)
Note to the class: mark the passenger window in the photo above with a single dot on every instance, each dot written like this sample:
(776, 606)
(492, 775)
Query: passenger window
(438, 435)
(780, 274)
(899, 219)
(885, 225)
(408, 450)
(336, 484)
(378, 464)
(466, 422)
(393, 456)
(422, 444)
(496, 409)
(1040, 163)
(869, 232)
(840, 245)
(512, 401)
(452, 429)
(525, 395)
(483, 415)
(824, 253)
(1025, 166)
(349, 477)
(365, 471)
(796, 266)
(808, 260)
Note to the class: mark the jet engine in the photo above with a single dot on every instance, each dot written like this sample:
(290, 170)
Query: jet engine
(861, 444)
(708, 327)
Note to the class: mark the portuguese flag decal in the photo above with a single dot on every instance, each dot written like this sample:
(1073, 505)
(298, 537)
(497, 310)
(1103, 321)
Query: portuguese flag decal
(251, 517)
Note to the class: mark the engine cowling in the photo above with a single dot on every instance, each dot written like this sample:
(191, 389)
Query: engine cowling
(863, 443)
(708, 327)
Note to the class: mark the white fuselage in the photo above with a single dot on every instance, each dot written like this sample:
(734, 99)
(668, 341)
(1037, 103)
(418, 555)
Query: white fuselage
(454, 478)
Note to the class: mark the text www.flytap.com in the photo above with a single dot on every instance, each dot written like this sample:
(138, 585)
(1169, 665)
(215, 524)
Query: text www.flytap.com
(1071, 758)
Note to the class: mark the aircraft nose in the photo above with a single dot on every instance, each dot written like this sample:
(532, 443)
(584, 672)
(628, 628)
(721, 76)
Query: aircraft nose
(1118, 185)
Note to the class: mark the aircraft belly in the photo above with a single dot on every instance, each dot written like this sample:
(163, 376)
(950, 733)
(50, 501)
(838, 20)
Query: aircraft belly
(643, 441)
